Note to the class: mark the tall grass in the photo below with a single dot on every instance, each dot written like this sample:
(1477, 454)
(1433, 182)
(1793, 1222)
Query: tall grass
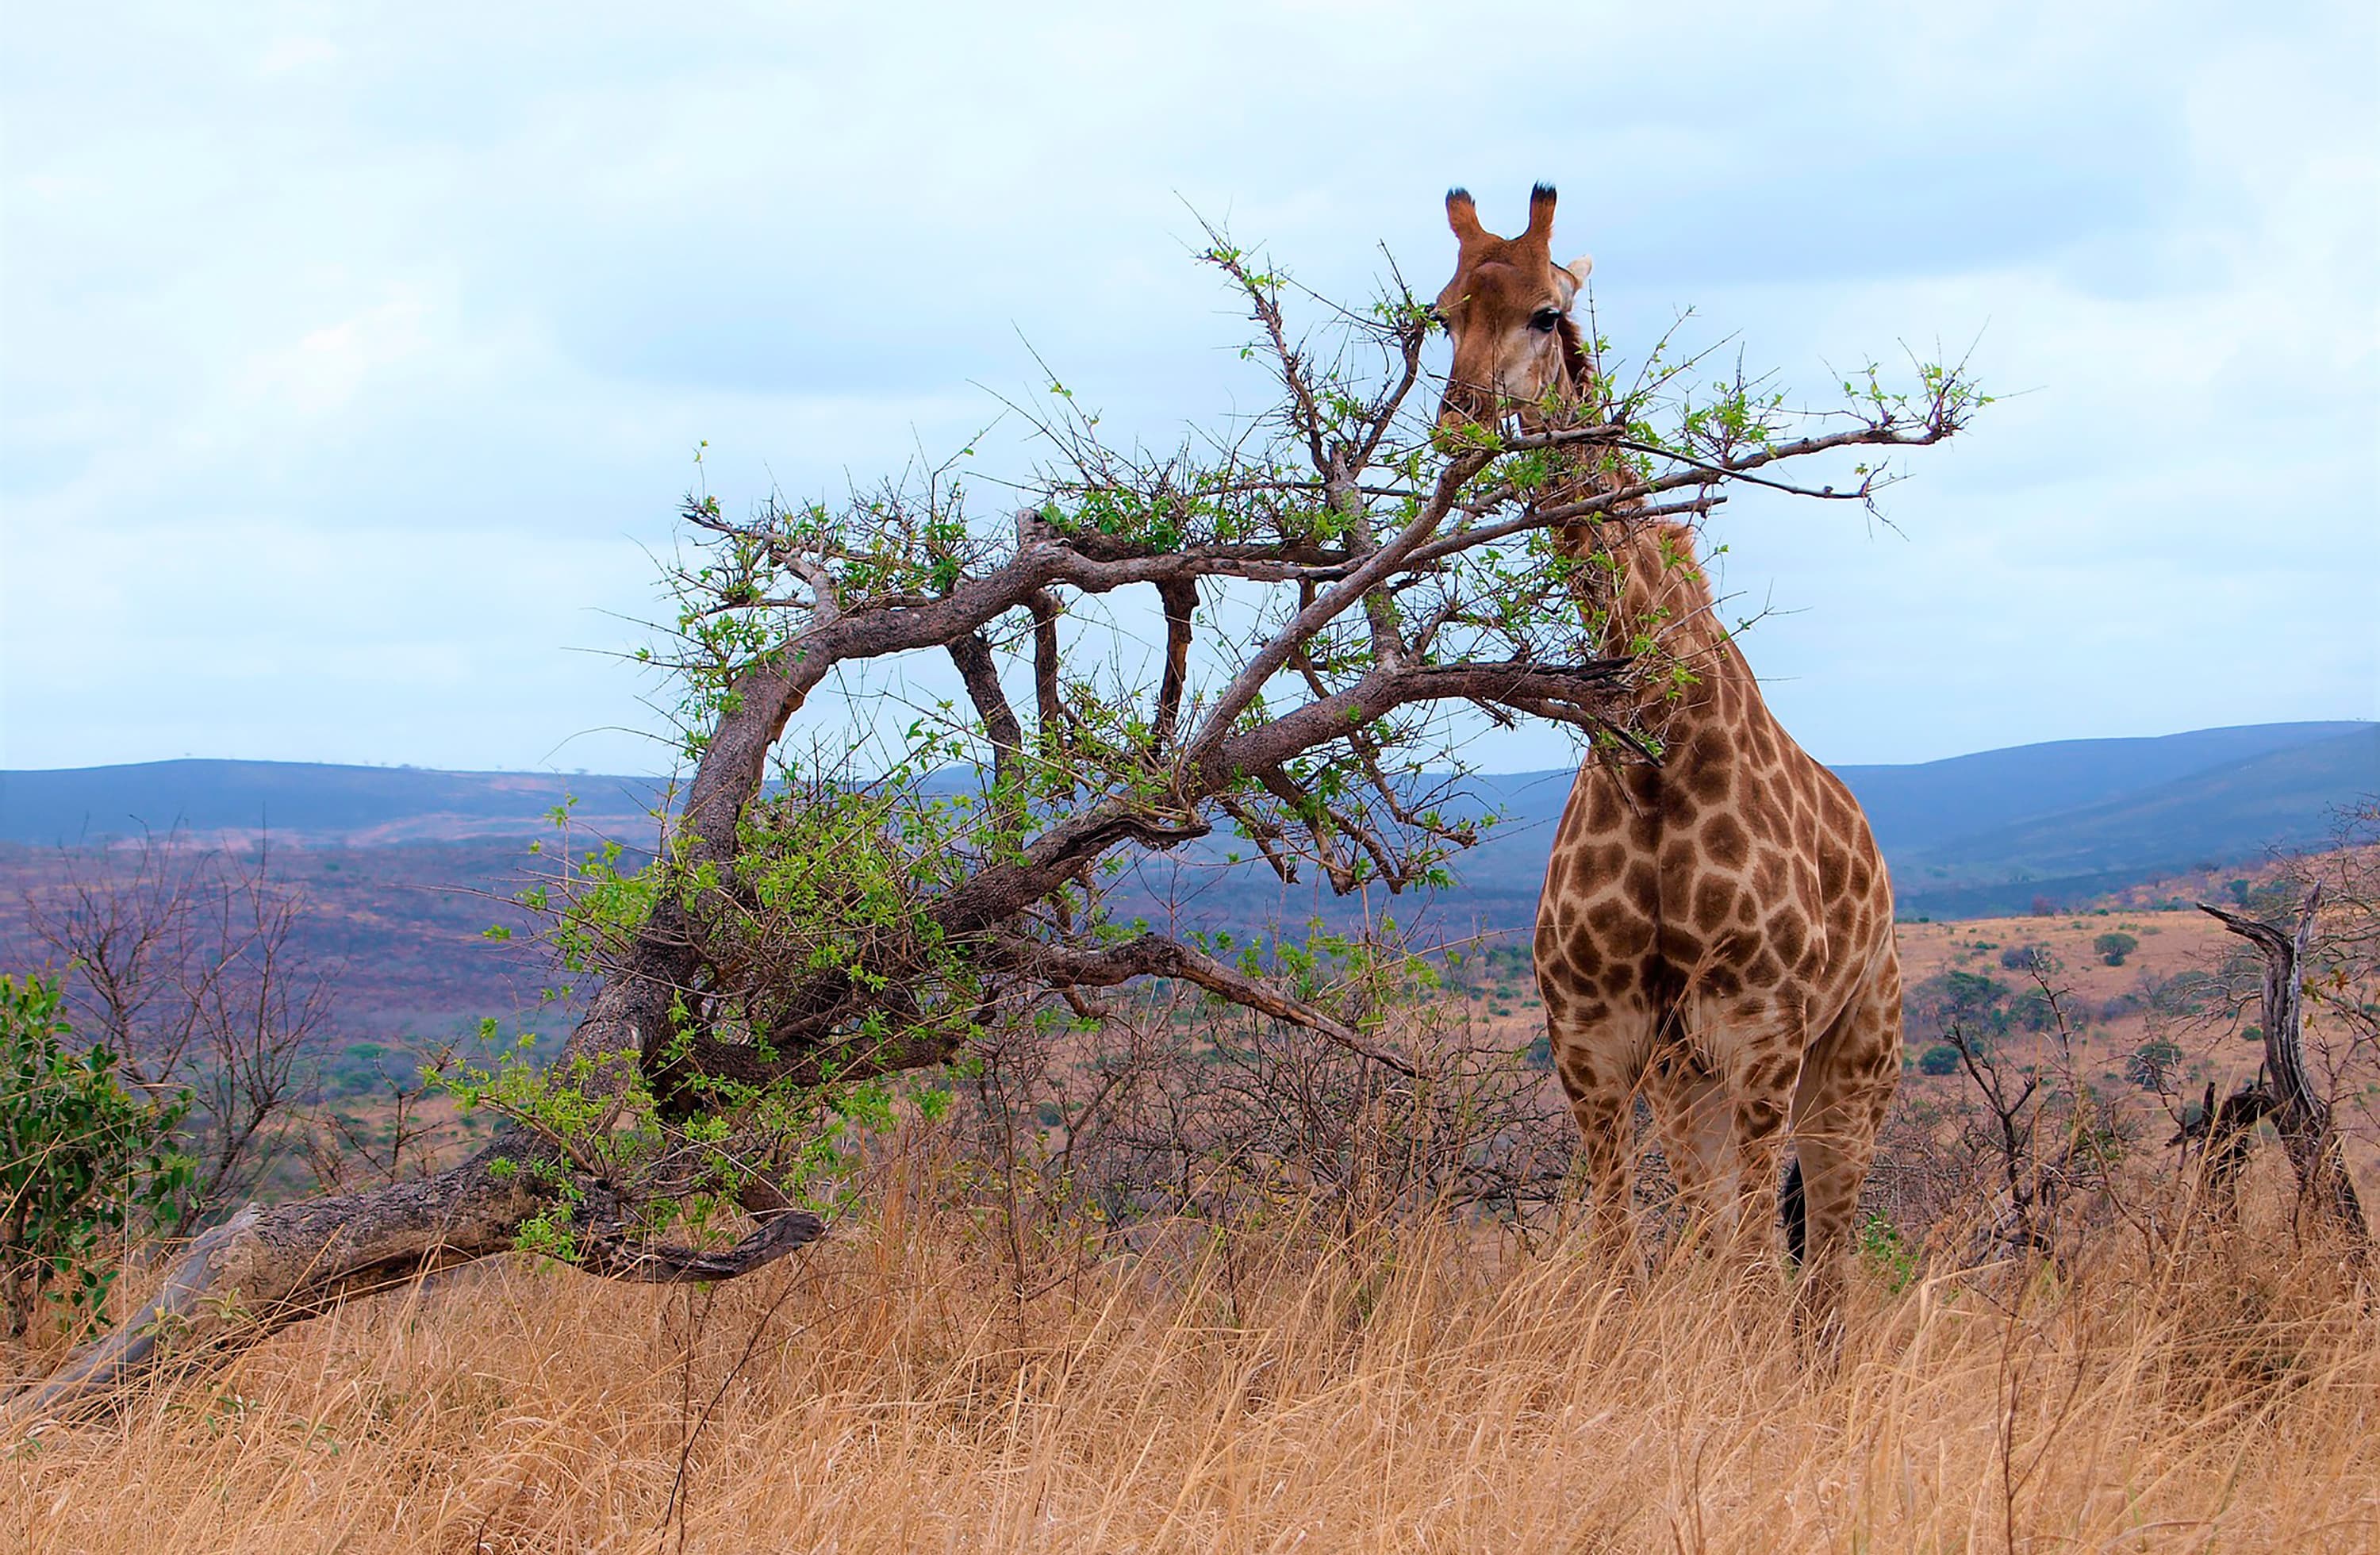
(1421, 1386)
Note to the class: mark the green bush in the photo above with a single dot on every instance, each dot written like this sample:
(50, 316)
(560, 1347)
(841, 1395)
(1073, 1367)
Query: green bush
(82, 1161)
(2114, 946)
(2153, 1065)
(1939, 1059)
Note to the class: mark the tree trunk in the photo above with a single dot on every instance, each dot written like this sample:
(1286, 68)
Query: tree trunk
(2300, 1114)
(270, 1266)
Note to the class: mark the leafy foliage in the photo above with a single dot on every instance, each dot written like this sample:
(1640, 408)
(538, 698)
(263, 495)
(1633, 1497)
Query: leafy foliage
(1939, 1059)
(82, 1161)
(2114, 945)
(2154, 1064)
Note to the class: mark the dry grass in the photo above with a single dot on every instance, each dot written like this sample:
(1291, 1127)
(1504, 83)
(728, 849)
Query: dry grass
(1415, 1388)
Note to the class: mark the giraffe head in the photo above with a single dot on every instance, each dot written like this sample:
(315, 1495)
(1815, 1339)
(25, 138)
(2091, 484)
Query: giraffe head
(1508, 312)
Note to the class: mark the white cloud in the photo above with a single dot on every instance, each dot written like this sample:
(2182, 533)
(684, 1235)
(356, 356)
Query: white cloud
(380, 338)
(283, 56)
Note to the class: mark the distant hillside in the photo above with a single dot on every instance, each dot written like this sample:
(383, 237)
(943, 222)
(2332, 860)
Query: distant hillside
(2221, 815)
(1922, 807)
(305, 802)
(1971, 835)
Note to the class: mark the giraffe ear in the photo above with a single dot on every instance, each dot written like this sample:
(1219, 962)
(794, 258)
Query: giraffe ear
(1568, 278)
(1580, 268)
(1462, 215)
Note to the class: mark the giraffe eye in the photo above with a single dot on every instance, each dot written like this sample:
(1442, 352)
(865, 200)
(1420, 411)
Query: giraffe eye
(1543, 320)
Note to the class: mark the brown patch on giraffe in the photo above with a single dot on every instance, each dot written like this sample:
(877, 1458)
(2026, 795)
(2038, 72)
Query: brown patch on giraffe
(1604, 918)
(1725, 841)
(1604, 814)
(1707, 781)
(1713, 903)
(1641, 888)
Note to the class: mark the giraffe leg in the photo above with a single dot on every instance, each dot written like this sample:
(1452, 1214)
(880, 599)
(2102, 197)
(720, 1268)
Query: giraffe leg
(1601, 1062)
(1697, 1130)
(1837, 1110)
(1758, 1060)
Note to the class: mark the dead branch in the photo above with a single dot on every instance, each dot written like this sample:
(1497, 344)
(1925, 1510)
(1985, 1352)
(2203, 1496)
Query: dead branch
(2300, 1111)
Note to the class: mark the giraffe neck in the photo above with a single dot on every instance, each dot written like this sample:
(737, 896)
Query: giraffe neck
(1644, 594)
(1648, 599)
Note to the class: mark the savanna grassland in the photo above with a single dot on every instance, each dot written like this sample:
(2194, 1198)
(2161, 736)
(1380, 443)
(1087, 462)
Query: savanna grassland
(1290, 1382)
(1263, 1355)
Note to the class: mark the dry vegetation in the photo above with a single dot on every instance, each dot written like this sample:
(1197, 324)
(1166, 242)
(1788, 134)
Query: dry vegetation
(1193, 1282)
(1280, 1382)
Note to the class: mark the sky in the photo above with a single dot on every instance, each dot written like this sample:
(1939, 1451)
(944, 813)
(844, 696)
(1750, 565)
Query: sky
(353, 357)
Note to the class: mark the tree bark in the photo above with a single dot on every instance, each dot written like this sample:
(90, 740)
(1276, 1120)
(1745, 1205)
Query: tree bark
(269, 1267)
(2299, 1113)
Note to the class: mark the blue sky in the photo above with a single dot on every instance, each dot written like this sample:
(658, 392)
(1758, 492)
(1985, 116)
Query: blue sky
(351, 358)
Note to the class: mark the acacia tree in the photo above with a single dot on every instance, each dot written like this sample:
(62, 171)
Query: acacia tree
(1333, 584)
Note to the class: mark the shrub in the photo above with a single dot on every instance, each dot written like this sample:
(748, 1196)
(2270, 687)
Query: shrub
(2114, 945)
(1939, 1059)
(2033, 1011)
(2025, 959)
(2153, 1065)
(79, 1158)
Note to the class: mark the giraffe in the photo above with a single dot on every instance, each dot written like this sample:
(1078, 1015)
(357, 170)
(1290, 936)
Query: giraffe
(1716, 928)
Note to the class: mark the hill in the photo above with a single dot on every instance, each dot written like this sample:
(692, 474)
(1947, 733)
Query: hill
(401, 863)
(308, 802)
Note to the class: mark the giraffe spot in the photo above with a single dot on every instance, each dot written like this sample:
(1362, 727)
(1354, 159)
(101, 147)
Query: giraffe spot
(1759, 1117)
(1764, 970)
(1723, 980)
(1725, 843)
(1605, 916)
(1790, 934)
(1713, 903)
(1603, 812)
(1595, 868)
(1618, 978)
(1641, 888)
(1706, 774)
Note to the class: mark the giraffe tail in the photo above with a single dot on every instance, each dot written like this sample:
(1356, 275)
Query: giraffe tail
(1795, 1209)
